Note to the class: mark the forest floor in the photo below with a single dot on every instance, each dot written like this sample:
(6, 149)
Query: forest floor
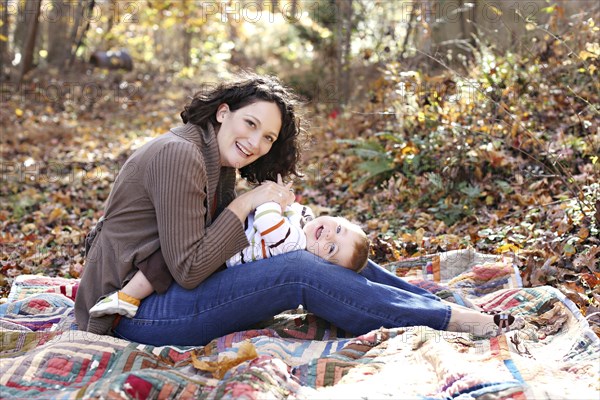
(62, 148)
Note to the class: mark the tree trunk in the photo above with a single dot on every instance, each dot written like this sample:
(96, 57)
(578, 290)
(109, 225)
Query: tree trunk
(29, 46)
(158, 44)
(72, 42)
(347, 51)
(294, 8)
(343, 39)
(57, 28)
(474, 24)
(19, 33)
(187, 47)
(4, 55)
(78, 40)
(237, 57)
(411, 22)
(463, 22)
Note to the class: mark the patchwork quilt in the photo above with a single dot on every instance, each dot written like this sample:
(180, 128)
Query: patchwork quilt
(298, 355)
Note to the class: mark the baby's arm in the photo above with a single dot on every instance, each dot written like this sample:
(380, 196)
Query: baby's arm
(278, 233)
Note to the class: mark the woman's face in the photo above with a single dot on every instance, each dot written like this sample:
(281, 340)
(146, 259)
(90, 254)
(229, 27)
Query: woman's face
(248, 133)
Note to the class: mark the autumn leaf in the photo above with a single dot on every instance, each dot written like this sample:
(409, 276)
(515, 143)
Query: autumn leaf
(588, 259)
(57, 213)
(592, 50)
(583, 233)
(509, 247)
(569, 249)
(28, 228)
(591, 279)
(218, 369)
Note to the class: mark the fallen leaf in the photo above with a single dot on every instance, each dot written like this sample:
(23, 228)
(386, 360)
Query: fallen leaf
(246, 351)
(592, 280)
(75, 270)
(508, 247)
(569, 250)
(419, 236)
(57, 213)
(588, 259)
(583, 233)
(28, 228)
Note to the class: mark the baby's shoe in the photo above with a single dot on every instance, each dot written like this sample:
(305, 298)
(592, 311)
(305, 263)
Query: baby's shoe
(116, 303)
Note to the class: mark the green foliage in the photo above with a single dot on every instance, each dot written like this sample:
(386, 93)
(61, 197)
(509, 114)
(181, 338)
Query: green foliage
(377, 163)
(506, 112)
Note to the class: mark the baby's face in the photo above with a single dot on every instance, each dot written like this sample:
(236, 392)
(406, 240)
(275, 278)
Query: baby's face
(332, 239)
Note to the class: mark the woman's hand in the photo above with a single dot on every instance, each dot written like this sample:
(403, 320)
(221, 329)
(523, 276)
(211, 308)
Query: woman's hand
(265, 192)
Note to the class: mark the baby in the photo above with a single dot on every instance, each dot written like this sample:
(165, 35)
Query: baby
(270, 231)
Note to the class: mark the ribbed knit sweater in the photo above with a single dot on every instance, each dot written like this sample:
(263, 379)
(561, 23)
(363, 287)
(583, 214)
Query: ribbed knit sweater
(162, 197)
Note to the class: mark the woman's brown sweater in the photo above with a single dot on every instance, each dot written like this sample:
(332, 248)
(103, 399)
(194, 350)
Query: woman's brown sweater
(163, 197)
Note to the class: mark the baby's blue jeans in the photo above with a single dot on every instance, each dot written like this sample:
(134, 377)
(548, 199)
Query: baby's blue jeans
(238, 297)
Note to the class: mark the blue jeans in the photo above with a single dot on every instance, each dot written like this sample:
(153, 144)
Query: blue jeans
(236, 298)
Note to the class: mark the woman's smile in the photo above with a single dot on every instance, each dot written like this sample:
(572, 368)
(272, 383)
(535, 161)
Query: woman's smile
(243, 150)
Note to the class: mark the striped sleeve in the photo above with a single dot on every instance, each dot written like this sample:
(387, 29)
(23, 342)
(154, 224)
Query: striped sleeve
(269, 222)
(278, 234)
(176, 183)
(299, 214)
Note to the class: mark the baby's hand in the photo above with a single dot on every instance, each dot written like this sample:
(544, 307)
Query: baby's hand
(289, 199)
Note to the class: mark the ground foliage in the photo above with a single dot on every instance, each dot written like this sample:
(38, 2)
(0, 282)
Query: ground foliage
(502, 158)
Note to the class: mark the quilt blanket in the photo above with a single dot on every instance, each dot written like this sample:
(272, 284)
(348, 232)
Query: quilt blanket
(297, 355)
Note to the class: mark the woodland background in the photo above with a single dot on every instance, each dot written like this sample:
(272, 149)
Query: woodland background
(436, 125)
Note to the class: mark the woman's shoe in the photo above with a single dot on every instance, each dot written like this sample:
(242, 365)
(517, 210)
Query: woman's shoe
(503, 322)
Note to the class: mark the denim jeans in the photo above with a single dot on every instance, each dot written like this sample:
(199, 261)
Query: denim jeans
(236, 298)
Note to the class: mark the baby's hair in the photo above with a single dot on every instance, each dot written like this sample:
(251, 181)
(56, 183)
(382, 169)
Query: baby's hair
(360, 256)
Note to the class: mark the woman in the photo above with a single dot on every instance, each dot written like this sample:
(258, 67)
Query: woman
(176, 193)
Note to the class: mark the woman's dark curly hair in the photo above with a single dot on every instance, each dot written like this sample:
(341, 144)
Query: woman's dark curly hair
(248, 88)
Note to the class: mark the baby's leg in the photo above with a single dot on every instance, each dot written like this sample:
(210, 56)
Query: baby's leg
(138, 287)
(127, 300)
